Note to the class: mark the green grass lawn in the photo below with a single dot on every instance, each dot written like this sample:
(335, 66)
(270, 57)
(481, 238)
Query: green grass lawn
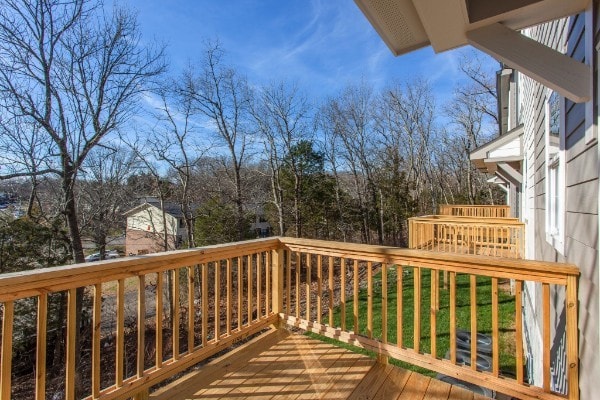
(506, 314)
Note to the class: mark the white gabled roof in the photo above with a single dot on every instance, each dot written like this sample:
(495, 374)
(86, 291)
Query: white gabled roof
(504, 149)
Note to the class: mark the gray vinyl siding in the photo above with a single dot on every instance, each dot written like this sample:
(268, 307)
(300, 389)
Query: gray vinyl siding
(581, 228)
(581, 202)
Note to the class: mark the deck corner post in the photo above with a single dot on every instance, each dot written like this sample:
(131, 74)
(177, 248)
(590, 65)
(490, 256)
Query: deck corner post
(277, 280)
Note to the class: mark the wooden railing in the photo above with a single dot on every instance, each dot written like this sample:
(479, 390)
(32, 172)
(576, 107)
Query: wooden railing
(336, 289)
(219, 295)
(497, 237)
(222, 294)
(487, 211)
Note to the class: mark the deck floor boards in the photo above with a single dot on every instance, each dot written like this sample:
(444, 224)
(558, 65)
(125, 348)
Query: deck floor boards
(281, 365)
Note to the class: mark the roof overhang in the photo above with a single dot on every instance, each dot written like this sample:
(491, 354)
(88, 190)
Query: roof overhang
(489, 25)
(504, 150)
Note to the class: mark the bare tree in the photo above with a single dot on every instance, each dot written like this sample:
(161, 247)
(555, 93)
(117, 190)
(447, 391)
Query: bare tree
(222, 96)
(77, 74)
(354, 127)
(468, 120)
(175, 141)
(481, 84)
(25, 150)
(282, 117)
(104, 195)
(406, 126)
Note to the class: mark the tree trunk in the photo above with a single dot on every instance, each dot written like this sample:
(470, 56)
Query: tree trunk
(297, 216)
(70, 210)
(239, 203)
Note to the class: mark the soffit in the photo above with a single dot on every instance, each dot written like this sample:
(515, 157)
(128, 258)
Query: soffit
(406, 25)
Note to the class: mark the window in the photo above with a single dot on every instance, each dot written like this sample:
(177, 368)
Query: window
(555, 168)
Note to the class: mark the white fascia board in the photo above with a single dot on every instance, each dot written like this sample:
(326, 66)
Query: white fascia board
(482, 152)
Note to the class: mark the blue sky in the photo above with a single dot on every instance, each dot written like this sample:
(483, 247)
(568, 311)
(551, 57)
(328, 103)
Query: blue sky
(322, 45)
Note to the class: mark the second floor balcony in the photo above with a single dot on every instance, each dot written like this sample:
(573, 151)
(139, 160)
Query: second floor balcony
(153, 317)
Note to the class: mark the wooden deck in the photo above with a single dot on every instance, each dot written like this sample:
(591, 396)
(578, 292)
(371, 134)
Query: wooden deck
(282, 365)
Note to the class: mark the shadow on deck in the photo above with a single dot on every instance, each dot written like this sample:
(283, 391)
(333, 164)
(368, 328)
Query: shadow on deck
(283, 365)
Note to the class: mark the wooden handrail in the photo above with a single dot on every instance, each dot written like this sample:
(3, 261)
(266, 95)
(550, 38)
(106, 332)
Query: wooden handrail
(221, 294)
(415, 266)
(201, 287)
(494, 211)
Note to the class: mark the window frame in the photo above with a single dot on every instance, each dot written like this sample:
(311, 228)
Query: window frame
(555, 166)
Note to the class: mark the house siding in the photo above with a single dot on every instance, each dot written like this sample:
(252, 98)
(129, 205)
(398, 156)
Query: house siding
(146, 231)
(581, 209)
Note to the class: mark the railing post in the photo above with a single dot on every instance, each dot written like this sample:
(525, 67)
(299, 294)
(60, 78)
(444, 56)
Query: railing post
(277, 280)
(572, 339)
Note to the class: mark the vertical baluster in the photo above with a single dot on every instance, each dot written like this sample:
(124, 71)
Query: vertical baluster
(288, 288)
(546, 336)
(319, 287)
(229, 293)
(268, 288)
(417, 307)
(258, 285)
(71, 349)
(355, 300)
(217, 266)
(455, 230)
(6, 356)
(240, 290)
(120, 332)
(40, 361)
(298, 265)
(141, 325)
(250, 280)
(384, 303)
(370, 299)
(330, 291)
(158, 320)
(204, 304)
(433, 312)
(176, 313)
(519, 330)
(453, 317)
(307, 287)
(495, 329)
(343, 293)
(399, 305)
(191, 309)
(473, 297)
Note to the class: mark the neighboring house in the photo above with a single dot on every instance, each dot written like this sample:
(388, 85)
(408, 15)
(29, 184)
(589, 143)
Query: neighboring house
(261, 227)
(546, 156)
(146, 229)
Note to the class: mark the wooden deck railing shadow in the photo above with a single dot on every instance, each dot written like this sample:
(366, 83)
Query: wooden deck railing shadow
(486, 211)
(496, 237)
(222, 294)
